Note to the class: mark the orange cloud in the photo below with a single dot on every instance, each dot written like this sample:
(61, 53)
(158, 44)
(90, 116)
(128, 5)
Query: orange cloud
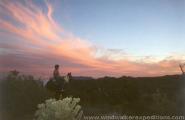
(31, 24)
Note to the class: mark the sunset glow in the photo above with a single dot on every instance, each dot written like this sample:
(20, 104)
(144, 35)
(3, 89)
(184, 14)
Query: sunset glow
(33, 40)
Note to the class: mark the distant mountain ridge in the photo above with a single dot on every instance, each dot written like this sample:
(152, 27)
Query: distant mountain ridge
(82, 78)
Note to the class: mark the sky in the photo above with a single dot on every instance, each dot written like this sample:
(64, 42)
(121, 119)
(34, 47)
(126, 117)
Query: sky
(92, 37)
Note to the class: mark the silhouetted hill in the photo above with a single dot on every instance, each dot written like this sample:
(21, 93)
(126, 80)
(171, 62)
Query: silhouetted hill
(82, 78)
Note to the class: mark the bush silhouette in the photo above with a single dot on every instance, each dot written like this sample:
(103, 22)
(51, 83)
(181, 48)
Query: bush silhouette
(20, 95)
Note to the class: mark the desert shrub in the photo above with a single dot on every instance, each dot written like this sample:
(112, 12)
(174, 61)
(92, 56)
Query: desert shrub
(65, 109)
(161, 104)
(20, 95)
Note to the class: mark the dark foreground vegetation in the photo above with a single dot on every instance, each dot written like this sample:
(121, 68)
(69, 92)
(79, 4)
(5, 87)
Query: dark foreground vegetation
(164, 95)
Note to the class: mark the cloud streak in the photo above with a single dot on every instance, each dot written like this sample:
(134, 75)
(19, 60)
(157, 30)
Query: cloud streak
(43, 42)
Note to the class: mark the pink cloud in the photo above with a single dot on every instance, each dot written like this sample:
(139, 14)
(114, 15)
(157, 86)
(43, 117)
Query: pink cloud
(53, 44)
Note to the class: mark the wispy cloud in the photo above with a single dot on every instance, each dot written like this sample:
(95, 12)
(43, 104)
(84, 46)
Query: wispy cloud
(44, 42)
